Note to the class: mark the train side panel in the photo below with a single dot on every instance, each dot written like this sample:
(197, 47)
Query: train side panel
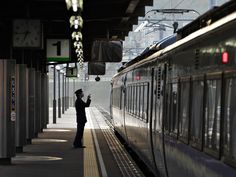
(137, 112)
(117, 106)
(157, 117)
(189, 126)
(200, 109)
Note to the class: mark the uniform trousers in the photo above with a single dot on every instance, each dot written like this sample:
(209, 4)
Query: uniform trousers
(79, 134)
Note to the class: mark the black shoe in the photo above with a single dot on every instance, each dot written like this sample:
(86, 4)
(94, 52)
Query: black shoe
(81, 146)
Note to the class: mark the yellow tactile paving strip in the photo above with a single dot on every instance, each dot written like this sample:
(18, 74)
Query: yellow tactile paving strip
(90, 161)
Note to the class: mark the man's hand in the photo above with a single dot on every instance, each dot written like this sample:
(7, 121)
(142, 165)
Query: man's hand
(89, 96)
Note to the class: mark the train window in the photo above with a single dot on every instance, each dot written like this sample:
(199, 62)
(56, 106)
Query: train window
(168, 103)
(113, 97)
(134, 98)
(174, 108)
(127, 99)
(212, 116)
(141, 100)
(196, 113)
(184, 110)
(121, 97)
(145, 102)
(171, 121)
(139, 95)
(131, 100)
(137, 100)
(117, 97)
(230, 121)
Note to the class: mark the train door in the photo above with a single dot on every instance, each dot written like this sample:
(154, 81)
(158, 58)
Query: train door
(117, 106)
(111, 103)
(157, 114)
(123, 104)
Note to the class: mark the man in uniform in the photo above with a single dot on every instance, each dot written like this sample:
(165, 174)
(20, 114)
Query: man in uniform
(81, 119)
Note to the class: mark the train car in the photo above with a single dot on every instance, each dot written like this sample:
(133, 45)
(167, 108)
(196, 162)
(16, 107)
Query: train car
(176, 107)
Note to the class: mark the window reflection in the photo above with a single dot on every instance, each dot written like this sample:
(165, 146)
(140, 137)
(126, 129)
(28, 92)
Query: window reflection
(212, 114)
(230, 119)
(184, 110)
(196, 114)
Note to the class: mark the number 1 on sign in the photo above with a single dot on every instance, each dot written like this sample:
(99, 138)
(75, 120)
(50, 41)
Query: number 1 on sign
(58, 45)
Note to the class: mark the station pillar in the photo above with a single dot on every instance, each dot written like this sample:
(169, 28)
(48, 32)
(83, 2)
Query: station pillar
(7, 110)
(21, 103)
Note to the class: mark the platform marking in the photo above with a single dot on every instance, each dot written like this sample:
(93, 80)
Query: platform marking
(99, 154)
(125, 163)
(90, 162)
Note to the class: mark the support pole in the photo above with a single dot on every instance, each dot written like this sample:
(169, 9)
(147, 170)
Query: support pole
(68, 93)
(63, 94)
(54, 95)
(59, 94)
(73, 90)
(65, 99)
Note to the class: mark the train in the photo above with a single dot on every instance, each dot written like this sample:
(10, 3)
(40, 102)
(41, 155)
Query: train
(176, 107)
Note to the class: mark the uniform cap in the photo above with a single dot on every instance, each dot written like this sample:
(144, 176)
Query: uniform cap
(79, 91)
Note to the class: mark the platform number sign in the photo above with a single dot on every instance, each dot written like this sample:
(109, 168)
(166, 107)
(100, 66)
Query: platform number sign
(13, 99)
(58, 50)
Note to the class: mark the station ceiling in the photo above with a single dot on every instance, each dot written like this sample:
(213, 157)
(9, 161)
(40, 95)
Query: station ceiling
(103, 19)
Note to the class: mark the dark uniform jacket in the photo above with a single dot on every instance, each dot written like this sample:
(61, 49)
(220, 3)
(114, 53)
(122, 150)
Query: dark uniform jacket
(80, 110)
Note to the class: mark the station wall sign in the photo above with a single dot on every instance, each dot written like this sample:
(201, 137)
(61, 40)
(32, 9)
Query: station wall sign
(13, 99)
(71, 72)
(58, 50)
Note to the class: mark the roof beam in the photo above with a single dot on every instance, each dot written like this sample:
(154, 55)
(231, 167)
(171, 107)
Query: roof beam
(130, 10)
(132, 6)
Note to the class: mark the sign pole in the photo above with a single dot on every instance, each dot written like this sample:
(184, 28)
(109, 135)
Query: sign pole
(54, 95)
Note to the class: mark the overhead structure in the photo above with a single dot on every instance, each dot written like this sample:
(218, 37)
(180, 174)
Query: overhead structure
(95, 19)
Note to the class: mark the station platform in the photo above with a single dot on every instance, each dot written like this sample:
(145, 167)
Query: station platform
(52, 154)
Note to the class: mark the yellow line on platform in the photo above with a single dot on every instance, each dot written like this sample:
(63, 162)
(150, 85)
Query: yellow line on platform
(90, 161)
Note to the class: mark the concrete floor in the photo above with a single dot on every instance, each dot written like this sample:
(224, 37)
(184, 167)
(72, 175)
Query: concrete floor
(52, 154)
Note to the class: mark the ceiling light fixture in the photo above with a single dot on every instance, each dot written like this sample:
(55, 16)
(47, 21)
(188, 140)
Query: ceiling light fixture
(74, 4)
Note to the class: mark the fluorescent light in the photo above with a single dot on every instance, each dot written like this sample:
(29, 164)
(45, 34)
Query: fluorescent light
(58, 67)
(74, 7)
(75, 4)
(77, 36)
(76, 21)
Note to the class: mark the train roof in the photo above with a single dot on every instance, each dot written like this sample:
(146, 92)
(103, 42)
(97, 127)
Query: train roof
(184, 36)
(226, 19)
(207, 18)
(161, 44)
(151, 50)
